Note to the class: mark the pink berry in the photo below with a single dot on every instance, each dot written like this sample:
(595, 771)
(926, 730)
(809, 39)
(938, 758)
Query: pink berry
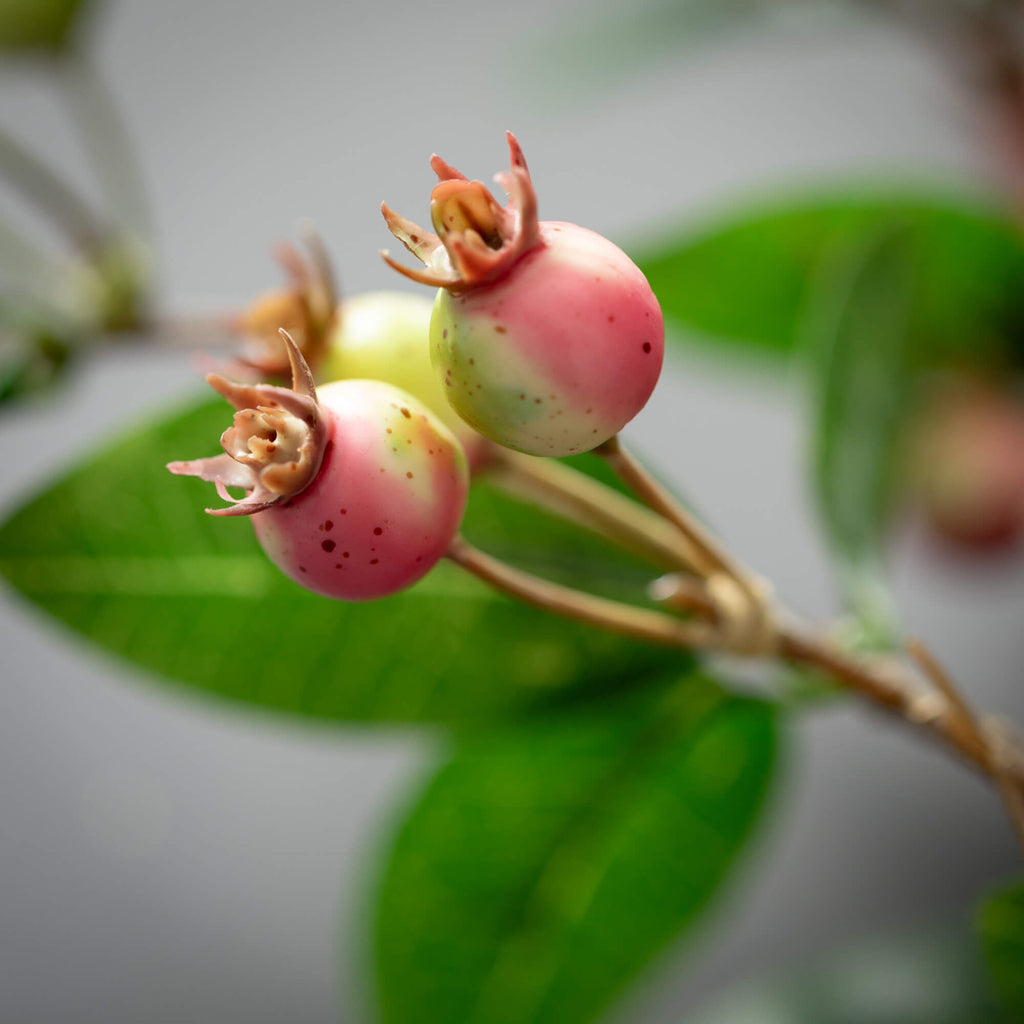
(355, 490)
(969, 466)
(546, 336)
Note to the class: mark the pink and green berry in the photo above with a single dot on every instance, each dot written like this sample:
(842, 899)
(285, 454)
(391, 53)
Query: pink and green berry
(546, 337)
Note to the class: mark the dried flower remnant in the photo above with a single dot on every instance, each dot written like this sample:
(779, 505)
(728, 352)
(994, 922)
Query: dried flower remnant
(275, 445)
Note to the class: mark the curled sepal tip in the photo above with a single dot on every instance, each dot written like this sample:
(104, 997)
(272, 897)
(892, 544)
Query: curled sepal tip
(275, 445)
(475, 239)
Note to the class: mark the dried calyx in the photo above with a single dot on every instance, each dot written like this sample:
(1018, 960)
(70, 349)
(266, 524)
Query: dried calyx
(275, 445)
(305, 308)
(477, 239)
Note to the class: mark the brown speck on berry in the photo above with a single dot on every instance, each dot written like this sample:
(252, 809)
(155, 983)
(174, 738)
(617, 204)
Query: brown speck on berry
(377, 531)
(406, 413)
(647, 346)
(328, 545)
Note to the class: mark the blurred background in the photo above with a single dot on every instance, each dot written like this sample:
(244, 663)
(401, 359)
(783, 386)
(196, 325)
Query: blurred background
(165, 857)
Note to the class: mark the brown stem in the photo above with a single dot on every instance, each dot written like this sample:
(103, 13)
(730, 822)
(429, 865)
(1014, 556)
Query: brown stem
(949, 721)
(581, 499)
(1012, 796)
(710, 557)
(640, 623)
(894, 691)
(883, 685)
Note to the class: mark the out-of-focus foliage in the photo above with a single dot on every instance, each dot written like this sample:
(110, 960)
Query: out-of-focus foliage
(603, 49)
(543, 867)
(39, 24)
(1001, 924)
(35, 349)
(858, 338)
(744, 284)
(123, 553)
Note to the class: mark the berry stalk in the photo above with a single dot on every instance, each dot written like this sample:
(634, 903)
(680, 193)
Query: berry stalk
(726, 618)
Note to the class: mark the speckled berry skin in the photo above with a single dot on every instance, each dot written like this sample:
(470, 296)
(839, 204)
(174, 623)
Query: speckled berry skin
(546, 336)
(559, 354)
(386, 503)
(385, 335)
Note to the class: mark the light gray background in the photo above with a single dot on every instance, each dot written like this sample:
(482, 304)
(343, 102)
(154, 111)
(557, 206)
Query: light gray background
(165, 858)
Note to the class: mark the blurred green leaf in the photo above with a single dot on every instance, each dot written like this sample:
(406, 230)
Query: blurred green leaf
(38, 24)
(589, 56)
(742, 285)
(122, 552)
(544, 866)
(927, 977)
(1001, 924)
(858, 334)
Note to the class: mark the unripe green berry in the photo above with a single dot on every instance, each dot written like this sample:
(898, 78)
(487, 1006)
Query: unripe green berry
(385, 335)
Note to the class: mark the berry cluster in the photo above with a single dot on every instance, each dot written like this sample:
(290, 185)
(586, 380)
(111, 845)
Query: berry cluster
(544, 337)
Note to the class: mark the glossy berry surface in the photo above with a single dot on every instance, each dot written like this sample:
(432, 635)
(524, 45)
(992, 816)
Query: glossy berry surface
(385, 505)
(546, 337)
(355, 489)
(560, 353)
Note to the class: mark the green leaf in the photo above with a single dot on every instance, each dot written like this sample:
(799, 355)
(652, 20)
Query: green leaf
(1001, 924)
(122, 552)
(923, 977)
(742, 284)
(545, 866)
(859, 349)
(38, 24)
(590, 56)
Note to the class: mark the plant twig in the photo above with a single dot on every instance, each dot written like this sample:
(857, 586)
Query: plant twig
(709, 556)
(640, 623)
(582, 499)
(893, 690)
(1012, 797)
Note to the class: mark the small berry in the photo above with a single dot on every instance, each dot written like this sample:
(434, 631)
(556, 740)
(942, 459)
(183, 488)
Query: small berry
(546, 337)
(968, 467)
(386, 336)
(355, 490)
